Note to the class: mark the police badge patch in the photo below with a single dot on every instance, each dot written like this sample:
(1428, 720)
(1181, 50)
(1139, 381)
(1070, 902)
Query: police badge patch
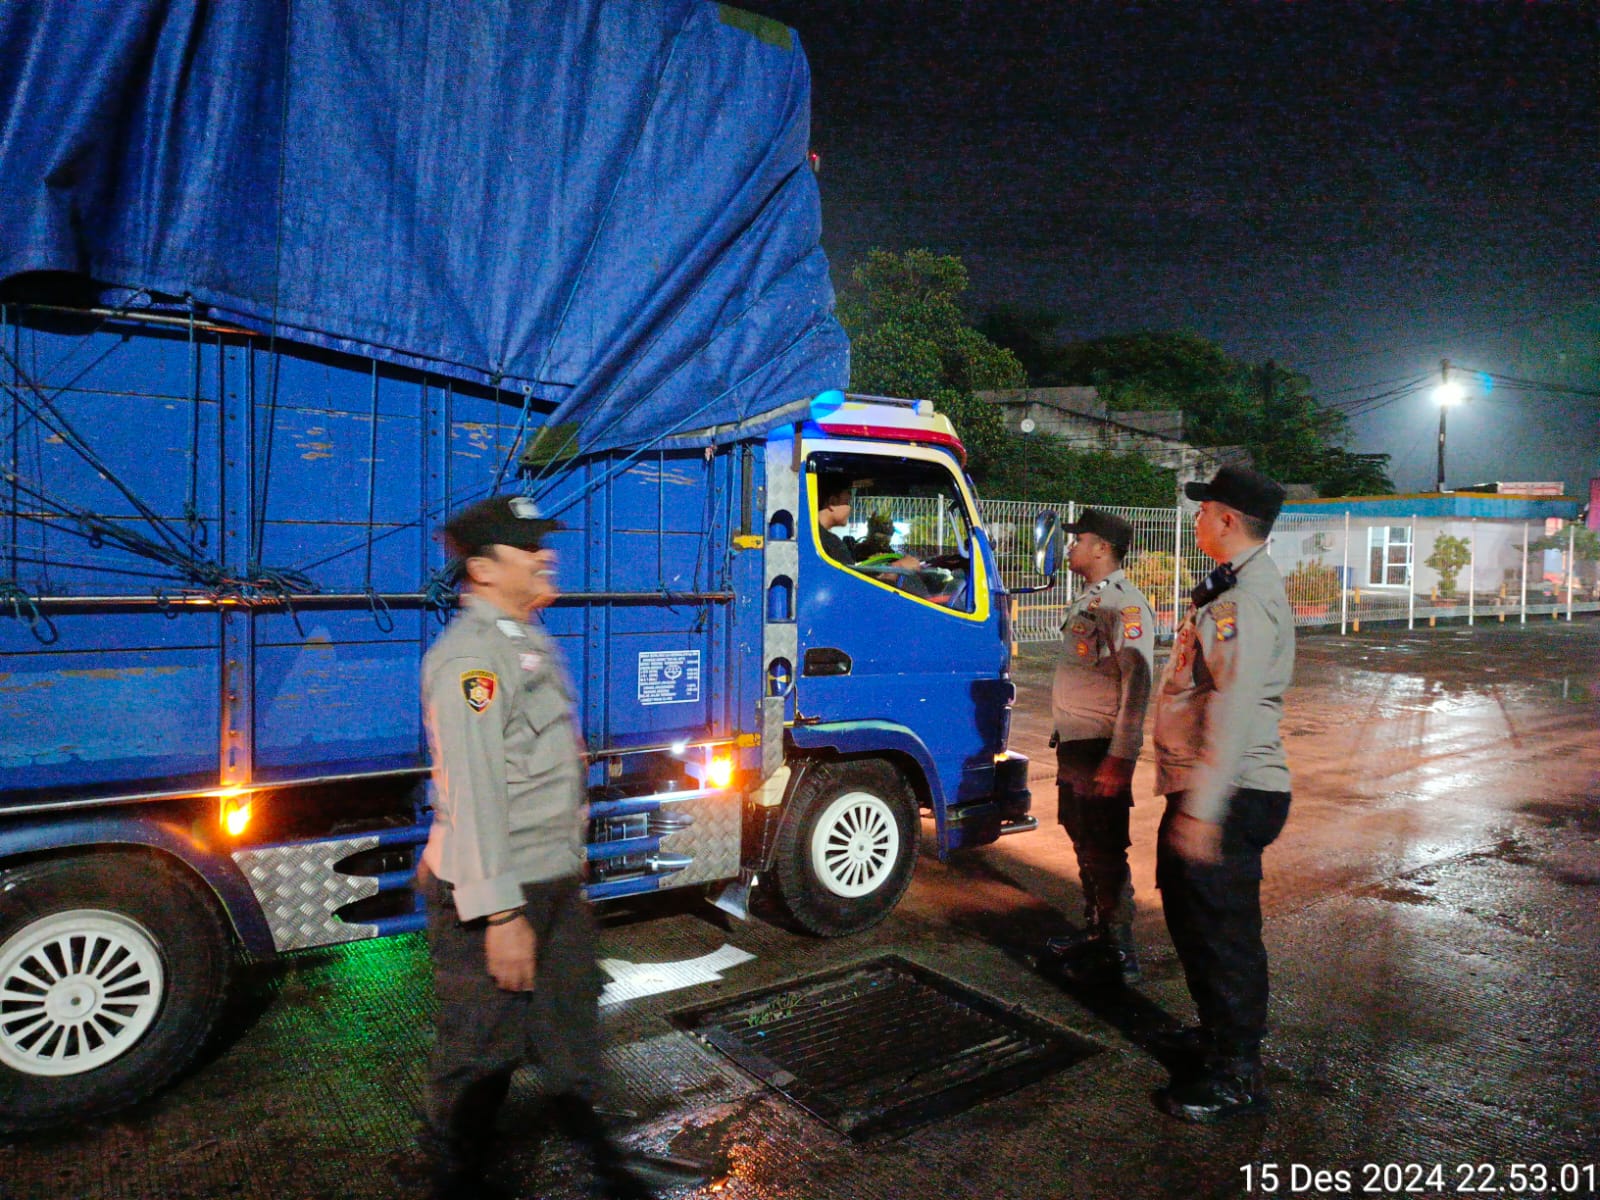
(1132, 623)
(479, 688)
(1226, 613)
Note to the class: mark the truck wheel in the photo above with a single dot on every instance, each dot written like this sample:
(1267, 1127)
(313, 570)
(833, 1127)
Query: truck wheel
(112, 973)
(846, 847)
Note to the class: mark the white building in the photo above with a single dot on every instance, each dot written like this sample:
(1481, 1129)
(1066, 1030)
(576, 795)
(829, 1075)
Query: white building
(1382, 544)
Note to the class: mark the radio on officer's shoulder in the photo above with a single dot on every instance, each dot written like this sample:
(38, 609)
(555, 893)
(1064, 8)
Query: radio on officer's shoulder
(1221, 578)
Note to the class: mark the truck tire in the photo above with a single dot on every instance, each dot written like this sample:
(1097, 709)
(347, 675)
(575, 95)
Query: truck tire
(112, 974)
(847, 846)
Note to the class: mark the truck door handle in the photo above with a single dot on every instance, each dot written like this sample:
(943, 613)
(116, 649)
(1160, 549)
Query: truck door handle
(825, 660)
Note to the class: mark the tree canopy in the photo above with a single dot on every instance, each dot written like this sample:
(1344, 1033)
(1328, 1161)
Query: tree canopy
(1042, 468)
(910, 337)
(1265, 408)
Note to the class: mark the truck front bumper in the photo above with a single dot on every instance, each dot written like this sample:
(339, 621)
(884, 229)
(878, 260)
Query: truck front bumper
(1001, 808)
(1011, 794)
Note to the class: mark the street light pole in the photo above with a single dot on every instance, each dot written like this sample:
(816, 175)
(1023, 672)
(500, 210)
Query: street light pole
(1446, 394)
(1444, 373)
(1027, 426)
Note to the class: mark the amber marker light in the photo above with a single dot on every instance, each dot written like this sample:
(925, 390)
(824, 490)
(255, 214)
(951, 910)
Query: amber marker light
(235, 811)
(720, 773)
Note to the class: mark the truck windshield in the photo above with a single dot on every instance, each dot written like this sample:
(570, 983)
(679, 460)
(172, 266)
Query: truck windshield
(903, 521)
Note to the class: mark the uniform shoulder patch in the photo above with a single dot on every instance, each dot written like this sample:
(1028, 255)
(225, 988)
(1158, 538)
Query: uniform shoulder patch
(1183, 647)
(1133, 622)
(1226, 615)
(478, 688)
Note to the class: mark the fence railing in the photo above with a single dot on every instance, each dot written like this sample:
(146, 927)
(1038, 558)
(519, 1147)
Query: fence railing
(1341, 570)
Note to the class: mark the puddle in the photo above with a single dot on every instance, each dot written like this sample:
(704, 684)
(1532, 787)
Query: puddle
(1580, 813)
(1399, 893)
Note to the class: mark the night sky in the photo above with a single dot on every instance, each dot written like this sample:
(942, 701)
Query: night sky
(1355, 191)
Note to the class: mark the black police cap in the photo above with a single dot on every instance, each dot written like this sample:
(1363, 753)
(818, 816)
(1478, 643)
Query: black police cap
(1104, 525)
(1250, 492)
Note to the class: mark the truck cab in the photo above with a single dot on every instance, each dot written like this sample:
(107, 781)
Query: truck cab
(887, 642)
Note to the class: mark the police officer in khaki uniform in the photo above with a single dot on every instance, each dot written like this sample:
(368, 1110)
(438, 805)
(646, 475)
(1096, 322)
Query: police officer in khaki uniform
(1220, 763)
(1102, 685)
(509, 929)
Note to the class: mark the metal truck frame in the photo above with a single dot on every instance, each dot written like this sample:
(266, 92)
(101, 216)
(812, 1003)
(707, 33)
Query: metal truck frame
(237, 763)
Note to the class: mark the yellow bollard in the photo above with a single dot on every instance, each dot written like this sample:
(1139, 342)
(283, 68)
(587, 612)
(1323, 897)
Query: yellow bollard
(1430, 622)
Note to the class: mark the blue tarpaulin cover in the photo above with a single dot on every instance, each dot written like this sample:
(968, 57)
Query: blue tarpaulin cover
(604, 204)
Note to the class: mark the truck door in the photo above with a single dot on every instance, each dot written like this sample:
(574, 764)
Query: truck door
(897, 627)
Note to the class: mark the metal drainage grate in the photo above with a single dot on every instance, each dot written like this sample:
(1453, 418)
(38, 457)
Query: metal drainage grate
(884, 1046)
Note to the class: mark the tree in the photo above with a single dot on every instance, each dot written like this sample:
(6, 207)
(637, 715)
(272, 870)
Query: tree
(1585, 549)
(908, 337)
(1030, 334)
(1266, 409)
(1150, 371)
(1348, 474)
(1040, 467)
(1450, 554)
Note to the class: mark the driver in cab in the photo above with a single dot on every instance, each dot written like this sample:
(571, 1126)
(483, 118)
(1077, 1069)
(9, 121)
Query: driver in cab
(833, 512)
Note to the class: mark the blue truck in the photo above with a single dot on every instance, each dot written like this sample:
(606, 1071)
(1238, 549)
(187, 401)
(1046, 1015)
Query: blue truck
(282, 287)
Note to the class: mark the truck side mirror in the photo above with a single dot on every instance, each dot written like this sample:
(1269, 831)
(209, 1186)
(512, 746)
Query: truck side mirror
(1047, 538)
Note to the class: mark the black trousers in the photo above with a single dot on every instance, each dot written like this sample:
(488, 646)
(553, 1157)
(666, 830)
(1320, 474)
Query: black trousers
(1098, 828)
(1213, 913)
(483, 1033)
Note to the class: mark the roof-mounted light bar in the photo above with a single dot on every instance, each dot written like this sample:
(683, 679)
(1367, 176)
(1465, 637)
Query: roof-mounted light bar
(886, 418)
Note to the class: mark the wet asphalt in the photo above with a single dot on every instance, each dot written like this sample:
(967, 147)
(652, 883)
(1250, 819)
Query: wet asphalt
(1432, 917)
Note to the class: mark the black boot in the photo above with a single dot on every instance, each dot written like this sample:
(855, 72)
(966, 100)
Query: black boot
(1123, 955)
(1228, 1087)
(464, 1185)
(1077, 943)
(456, 1145)
(620, 1173)
(1069, 947)
(1192, 1044)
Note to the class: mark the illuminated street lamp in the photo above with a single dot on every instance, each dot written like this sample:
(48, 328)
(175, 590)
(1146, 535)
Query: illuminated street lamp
(1448, 394)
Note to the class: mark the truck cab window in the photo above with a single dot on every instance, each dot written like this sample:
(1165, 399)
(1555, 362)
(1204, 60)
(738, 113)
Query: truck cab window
(900, 521)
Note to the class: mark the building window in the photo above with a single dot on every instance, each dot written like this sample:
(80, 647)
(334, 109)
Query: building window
(1389, 556)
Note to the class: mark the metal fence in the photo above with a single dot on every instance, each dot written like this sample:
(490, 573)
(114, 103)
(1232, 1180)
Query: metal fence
(1341, 570)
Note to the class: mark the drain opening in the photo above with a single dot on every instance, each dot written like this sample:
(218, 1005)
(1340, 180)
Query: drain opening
(882, 1047)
